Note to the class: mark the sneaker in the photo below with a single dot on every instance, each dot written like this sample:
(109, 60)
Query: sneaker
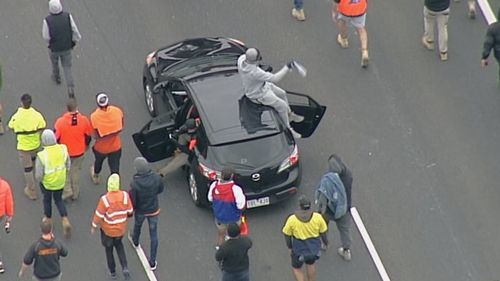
(153, 265)
(95, 177)
(112, 275)
(31, 195)
(443, 56)
(126, 274)
(365, 59)
(217, 248)
(472, 10)
(344, 253)
(343, 42)
(429, 45)
(2, 269)
(295, 134)
(298, 14)
(295, 118)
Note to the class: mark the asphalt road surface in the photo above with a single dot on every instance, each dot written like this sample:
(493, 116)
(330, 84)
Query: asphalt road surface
(420, 135)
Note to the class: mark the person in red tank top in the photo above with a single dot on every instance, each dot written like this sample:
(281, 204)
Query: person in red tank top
(354, 12)
(73, 129)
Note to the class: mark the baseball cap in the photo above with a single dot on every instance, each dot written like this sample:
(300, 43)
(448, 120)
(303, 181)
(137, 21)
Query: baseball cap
(102, 99)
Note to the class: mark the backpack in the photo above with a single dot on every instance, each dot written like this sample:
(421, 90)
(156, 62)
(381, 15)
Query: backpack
(333, 189)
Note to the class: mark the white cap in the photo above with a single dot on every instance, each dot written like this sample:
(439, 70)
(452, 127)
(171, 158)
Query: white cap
(102, 99)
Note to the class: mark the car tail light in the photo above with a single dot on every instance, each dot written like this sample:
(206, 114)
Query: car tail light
(292, 160)
(150, 59)
(209, 173)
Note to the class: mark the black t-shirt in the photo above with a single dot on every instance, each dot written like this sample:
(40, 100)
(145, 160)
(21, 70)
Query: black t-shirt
(234, 254)
(45, 254)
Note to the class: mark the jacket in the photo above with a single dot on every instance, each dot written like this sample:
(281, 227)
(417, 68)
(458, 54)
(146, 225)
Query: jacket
(437, 5)
(144, 193)
(60, 26)
(112, 212)
(46, 255)
(227, 200)
(255, 80)
(52, 162)
(492, 41)
(73, 129)
(27, 124)
(6, 199)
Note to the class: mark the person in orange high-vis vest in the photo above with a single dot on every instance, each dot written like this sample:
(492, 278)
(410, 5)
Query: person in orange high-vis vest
(6, 209)
(107, 122)
(112, 212)
(73, 129)
(353, 11)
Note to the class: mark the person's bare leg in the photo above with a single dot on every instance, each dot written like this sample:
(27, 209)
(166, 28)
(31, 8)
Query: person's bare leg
(311, 272)
(299, 275)
(220, 236)
(363, 38)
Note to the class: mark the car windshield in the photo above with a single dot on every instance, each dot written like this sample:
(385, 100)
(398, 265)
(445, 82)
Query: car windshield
(188, 67)
(227, 114)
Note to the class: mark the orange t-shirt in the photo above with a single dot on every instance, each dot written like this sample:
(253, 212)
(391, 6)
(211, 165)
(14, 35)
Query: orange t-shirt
(108, 123)
(72, 129)
(108, 144)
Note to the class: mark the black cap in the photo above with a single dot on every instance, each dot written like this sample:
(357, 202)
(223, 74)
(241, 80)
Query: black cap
(233, 230)
(304, 202)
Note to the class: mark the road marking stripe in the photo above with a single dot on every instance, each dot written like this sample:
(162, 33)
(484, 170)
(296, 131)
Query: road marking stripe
(143, 259)
(485, 7)
(369, 244)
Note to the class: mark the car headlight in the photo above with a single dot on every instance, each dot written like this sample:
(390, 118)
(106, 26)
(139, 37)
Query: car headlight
(291, 160)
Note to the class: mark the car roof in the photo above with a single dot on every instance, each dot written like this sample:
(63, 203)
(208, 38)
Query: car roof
(227, 115)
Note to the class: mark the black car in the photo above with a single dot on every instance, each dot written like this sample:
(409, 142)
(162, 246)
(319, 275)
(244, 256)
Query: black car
(198, 78)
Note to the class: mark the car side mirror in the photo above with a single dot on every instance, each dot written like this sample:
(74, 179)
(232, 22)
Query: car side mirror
(266, 67)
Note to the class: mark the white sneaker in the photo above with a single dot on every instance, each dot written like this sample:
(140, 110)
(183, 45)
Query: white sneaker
(344, 253)
(295, 134)
(295, 118)
(343, 42)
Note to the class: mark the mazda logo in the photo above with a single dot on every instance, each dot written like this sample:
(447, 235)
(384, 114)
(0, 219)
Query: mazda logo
(256, 177)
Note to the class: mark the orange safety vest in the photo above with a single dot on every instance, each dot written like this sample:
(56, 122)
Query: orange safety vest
(112, 213)
(352, 8)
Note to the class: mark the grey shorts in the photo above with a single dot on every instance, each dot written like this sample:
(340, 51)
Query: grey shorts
(357, 22)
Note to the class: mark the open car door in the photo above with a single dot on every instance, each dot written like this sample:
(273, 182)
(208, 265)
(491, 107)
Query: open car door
(305, 106)
(153, 141)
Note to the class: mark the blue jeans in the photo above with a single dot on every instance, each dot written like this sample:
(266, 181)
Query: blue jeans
(47, 202)
(153, 233)
(298, 4)
(236, 276)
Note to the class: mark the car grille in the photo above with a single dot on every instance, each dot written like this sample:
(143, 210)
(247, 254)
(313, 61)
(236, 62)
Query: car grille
(268, 178)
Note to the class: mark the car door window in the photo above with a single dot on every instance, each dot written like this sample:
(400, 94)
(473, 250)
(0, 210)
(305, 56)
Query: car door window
(305, 106)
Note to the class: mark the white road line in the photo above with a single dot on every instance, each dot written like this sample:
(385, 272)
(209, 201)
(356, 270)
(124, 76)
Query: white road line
(369, 244)
(488, 14)
(144, 260)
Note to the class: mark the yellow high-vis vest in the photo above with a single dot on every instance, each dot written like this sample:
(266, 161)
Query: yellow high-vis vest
(54, 159)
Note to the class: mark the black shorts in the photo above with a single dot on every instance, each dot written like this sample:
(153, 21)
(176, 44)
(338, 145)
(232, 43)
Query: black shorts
(298, 260)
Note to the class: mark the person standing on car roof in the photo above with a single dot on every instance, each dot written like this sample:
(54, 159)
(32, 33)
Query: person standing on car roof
(107, 122)
(492, 42)
(185, 142)
(27, 123)
(259, 86)
(228, 202)
(145, 187)
(73, 129)
(61, 34)
(335, 165)
(304, 231)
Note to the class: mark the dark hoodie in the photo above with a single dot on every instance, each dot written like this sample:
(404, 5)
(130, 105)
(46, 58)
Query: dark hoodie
(335, 165)
(144, 192)
(492, 40)
(45, 254)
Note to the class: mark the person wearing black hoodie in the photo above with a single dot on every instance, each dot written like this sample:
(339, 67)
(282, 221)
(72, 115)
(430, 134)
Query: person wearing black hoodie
(145, 187)
(335, 165)
(492, 42)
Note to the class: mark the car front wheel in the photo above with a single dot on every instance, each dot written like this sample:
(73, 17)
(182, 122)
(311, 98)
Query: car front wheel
(193, 188)
(149, 99)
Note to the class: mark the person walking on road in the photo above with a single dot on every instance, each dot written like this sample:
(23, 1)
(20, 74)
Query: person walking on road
(52, 164)
(185, 135)
(228, 202)
(6, 210)
(298, 10)
(328, 201)
(107, 122)
(233, 255)
(73, 129)
(61, 34)
(436, 11)
(45, 256)
(354, 12)
(27, 123)
(111, 215)
(492, 42)
(259, 87)
(145, 188)
(304, 232)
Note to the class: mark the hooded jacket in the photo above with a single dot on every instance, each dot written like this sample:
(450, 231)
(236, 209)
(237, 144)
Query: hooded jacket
(335, 165)
(255, 80)
(49, 140)
(492, 40)
(144, 192)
